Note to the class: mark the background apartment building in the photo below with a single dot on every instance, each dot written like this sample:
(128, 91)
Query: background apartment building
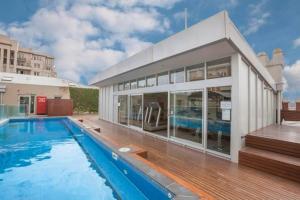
(16, 59)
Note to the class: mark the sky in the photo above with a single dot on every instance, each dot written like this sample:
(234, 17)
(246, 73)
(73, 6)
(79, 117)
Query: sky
(87, 36)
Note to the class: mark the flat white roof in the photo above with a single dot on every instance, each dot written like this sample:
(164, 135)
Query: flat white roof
(214, 29)
(12, 78)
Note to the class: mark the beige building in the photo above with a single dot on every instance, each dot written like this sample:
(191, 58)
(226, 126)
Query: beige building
(18, 90)
(16, 59)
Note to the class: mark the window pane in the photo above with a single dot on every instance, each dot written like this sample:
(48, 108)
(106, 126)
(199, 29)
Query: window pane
(195, 72)
(219, 68)
(172, 77)
(133, 84)
(151, 81)
(127, 86)
(163, 78)
(141, 83)
(177, 76)
(115, 87)
(186, 115)
(121, 86)
(219, 119)
(123, 109)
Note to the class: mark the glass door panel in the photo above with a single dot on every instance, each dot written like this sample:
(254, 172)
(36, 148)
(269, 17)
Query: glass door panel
(186, 117)
(123, 109)
(136, 111)
(156, 113)
(219, 119)
(24, 104)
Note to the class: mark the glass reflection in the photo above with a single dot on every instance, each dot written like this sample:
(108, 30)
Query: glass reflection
(219, 119)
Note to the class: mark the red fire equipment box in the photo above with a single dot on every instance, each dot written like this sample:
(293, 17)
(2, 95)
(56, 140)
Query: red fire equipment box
(41, 105)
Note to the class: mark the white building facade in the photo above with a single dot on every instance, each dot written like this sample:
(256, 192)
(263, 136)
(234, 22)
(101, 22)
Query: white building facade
(204, 88)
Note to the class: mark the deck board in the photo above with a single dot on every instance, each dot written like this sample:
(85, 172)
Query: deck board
(220, 178)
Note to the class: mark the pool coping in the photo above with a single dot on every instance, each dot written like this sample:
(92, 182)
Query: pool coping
(149, 169)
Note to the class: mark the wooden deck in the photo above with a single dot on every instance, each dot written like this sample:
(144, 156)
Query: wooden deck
(220, 178)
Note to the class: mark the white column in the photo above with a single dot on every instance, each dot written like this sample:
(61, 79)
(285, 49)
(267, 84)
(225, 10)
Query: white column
(279, 104)
(235, 115)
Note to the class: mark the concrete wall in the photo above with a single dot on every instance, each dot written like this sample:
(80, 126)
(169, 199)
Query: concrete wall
(13, 91)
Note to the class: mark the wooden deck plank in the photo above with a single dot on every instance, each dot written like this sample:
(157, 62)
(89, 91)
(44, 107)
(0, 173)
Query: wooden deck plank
(220, 178)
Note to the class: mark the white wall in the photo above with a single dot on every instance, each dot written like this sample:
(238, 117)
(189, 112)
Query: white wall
(265, 106)
(106, 103)
(259, 108)
(244, 97)
(252, 100)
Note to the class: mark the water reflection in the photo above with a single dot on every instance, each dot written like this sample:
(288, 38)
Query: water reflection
(41, 160)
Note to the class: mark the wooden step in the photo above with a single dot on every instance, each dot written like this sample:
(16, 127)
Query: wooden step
(273, 144)
(275, 163)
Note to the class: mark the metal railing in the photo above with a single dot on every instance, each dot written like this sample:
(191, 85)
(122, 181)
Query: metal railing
(7, 111)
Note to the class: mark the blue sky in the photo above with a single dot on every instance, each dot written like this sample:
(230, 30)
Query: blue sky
(87, 36)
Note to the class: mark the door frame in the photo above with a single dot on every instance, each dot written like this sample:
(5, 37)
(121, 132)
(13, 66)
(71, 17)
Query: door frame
(129, 110)
(29, 102)
(201, 145)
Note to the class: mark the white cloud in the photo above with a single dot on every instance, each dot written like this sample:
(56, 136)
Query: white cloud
(292, 79)
(179, 15)
(258, 17)
(86, 36)
(296, 42)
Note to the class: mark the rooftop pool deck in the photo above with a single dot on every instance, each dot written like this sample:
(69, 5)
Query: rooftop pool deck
(59, 158)
(219, 178)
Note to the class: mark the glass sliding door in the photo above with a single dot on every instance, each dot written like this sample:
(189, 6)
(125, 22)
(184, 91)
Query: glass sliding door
(186, 115)
(136, 111)
(156, 113)
(219, 119)
(123, 109)
(24, 102)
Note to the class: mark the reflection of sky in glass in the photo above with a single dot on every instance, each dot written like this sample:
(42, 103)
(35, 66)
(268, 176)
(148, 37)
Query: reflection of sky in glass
(40, 160)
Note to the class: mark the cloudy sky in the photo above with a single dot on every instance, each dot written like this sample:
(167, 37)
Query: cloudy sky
(87, 36)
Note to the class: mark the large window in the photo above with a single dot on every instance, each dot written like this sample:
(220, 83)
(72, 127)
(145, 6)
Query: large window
(151, 81)
(121, 87)
(116, 87)
(177, 76)
(219, 119)
(123, 109)
(136, 111)
(195, 72)
(126, 86)
(141, 83)
(133, 84)
(219, 68)
(186, 115)
(163, 78)
(156, 113)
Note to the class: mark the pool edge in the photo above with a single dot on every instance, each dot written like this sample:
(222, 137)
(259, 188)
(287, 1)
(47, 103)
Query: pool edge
(180, 188)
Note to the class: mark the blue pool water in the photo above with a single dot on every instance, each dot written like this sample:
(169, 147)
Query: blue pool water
(56, 159)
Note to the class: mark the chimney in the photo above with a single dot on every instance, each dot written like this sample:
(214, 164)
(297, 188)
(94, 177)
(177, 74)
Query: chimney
(263, 57)
(278, 58)
(275, 67)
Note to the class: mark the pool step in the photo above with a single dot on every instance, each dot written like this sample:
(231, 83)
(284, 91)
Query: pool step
(272, 162)
(274, 145)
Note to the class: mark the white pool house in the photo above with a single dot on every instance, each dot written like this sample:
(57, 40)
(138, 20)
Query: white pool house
(203, 87)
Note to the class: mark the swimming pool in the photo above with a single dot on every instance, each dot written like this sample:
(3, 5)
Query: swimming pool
(54, 158)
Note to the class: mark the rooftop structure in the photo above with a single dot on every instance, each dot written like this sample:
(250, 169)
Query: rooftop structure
(203, 87)
(16, 59)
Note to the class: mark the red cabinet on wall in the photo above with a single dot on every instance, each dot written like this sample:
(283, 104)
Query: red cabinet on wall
(41, 105)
